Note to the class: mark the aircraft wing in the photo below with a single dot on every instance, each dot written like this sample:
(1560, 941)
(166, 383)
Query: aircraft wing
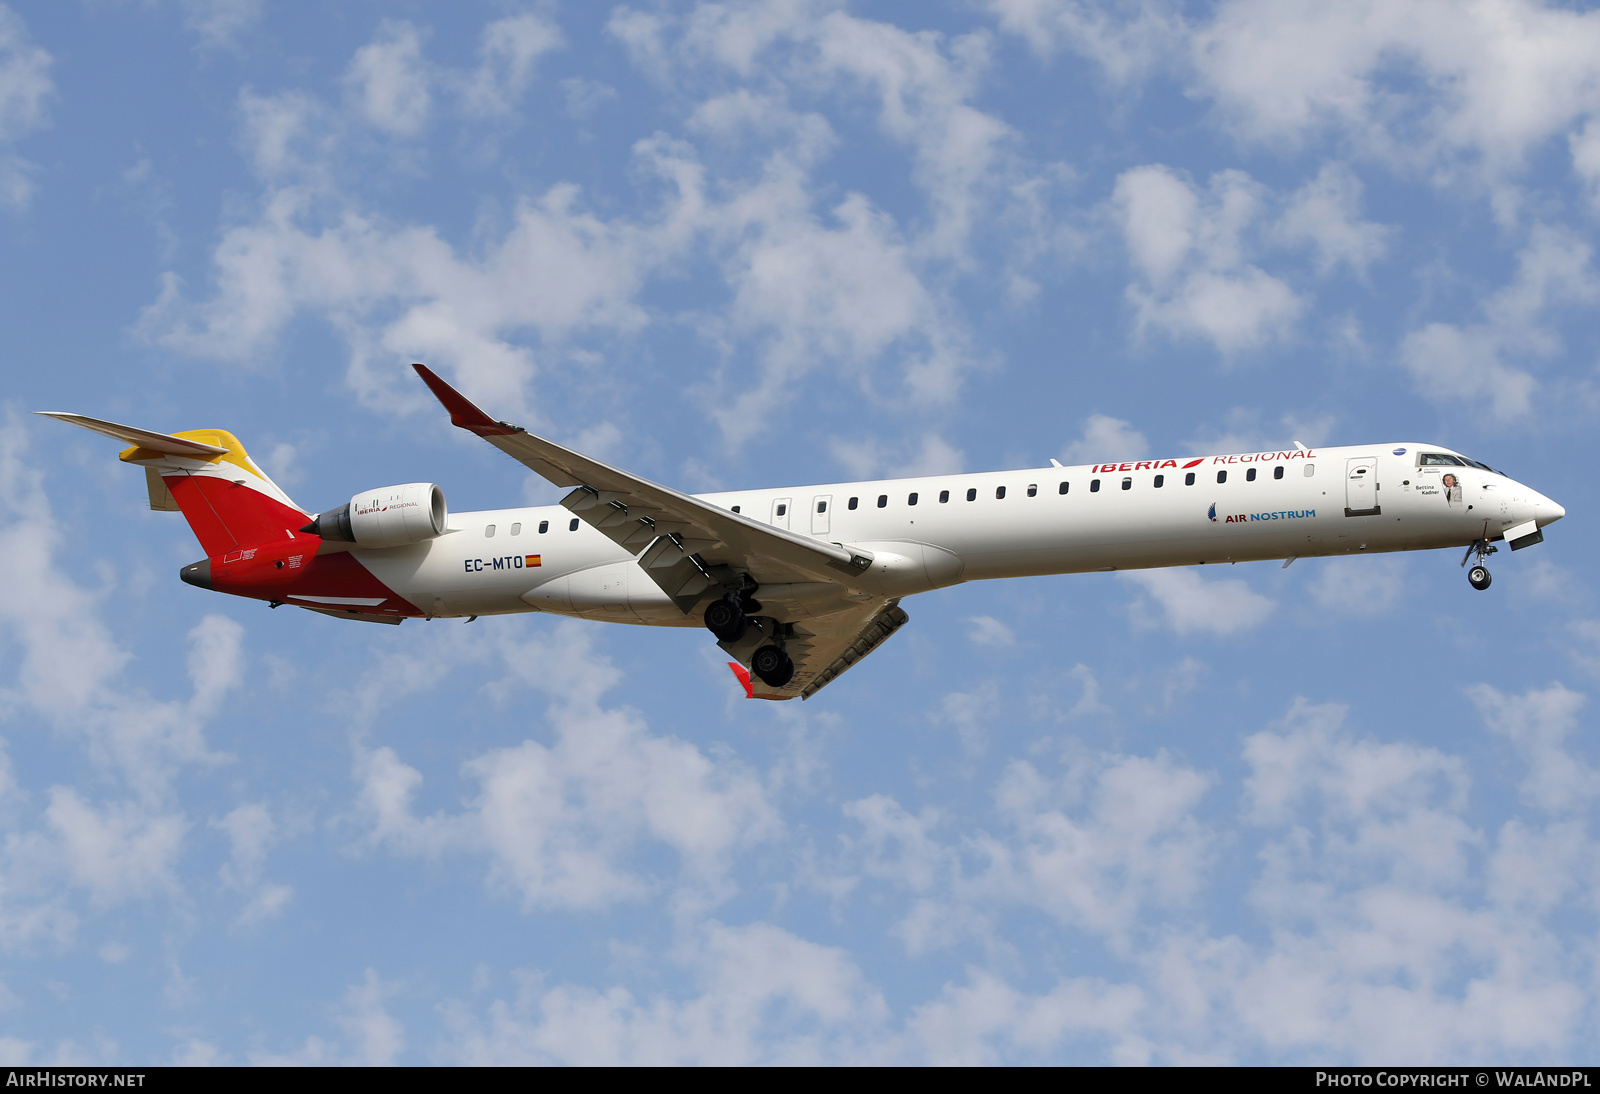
(822, 650)
(684, 541)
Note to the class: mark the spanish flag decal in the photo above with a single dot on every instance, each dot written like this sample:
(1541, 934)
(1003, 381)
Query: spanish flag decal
(531, 560)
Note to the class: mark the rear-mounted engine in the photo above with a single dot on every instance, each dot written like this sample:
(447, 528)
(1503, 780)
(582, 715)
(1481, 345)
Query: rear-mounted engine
(391, 516)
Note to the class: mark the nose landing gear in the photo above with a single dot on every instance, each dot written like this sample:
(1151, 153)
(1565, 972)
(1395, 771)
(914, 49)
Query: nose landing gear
(1479, 577)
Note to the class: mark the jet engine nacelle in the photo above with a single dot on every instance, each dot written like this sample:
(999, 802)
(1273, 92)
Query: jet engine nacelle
(390, 516)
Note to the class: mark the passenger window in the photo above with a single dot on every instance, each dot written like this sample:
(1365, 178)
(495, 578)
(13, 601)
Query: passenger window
(1277, 472)
(972, 495)
(516, 529)
(488, 533)
(852, 504)
(1250, 475)
(944, 496)
(1222, 476)
(1033, 490)
(1160, 479)
(822, 507)
(1311, 469)
(1064, 486)
(783, 509)
(1127, 484)
(572, 525)
(999, 491)
(911, 499)
(544, 526)
(883, 500)
(1188, 480)
(1094, 486)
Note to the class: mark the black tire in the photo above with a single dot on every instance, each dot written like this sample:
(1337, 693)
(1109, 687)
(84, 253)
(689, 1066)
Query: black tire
(725, 620)
(773, 666)
(1479, 578)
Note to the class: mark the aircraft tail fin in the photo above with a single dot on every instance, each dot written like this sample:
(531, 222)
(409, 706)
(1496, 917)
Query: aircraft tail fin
(229, 502)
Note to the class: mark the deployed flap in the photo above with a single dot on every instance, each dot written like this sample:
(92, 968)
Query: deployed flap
(691, 536)
(144, 438)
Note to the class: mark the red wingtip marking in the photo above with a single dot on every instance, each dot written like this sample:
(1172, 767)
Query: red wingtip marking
(744, 678)
(462, 412)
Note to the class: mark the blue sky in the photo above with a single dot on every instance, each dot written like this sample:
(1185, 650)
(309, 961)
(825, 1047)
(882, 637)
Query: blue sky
(1340, 812)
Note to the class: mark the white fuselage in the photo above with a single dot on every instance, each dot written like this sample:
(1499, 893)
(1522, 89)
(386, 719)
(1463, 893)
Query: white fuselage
(1017, 523)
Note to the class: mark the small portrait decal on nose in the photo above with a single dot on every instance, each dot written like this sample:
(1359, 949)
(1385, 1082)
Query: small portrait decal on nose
(1452, 490)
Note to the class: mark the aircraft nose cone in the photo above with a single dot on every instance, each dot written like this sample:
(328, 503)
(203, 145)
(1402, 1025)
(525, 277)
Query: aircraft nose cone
(197, 574)
(1549, 511)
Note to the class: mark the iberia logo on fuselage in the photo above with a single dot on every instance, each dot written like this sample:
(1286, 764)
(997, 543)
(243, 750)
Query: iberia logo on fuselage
(1248, 457)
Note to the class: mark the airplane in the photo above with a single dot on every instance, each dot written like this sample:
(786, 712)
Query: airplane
(798, 584)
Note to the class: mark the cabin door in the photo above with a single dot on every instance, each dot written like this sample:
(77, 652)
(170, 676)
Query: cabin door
(1361, 487)
(819, 514)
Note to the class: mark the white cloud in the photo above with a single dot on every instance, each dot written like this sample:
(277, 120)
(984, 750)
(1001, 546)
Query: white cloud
(1106, 439)
(388, 80)
(970, 714)
(1192, 604)
(1129, 40)
(1451, 91)
(372, 1036)
(989, 631)
(765, 996)
(220, 22)
(1191, 254)
(987, 1021)
(1538, 723)
(1325, 215)
(1472, 364)
(120, 852)
(508, 50)
(562, 824)
(251, 830)
(25, 84)
(1359, 587)
(872, 458)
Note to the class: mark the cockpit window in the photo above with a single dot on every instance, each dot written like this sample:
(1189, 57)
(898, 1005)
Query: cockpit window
(1444, 459)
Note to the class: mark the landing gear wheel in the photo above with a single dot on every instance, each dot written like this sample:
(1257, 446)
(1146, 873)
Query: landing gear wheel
(726, 620)
(772, 665)
(1479, 578)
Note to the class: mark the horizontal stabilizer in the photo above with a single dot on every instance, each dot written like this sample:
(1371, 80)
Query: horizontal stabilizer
(144, 438)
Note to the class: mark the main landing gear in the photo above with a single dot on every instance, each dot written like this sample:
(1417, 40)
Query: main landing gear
(729, 618)
(772, 665)
(1479, 577)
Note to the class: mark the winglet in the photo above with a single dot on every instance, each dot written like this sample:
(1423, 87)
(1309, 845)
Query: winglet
(744, 678)
(462, 412)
